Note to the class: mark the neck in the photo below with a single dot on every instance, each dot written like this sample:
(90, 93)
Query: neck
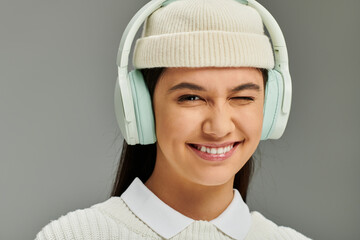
(196, 201)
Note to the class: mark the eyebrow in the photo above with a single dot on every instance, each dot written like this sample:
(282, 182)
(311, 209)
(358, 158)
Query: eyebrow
(251, 86)
(186, 85)
(191, 86)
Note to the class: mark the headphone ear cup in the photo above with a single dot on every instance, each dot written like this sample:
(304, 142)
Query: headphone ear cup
(143, 109)
(272, 103)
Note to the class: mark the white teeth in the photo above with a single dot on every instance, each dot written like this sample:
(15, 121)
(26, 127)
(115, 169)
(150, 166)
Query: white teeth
(220, 150)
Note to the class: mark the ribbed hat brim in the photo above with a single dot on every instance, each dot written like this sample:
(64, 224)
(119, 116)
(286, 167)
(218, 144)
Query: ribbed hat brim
(204, 49)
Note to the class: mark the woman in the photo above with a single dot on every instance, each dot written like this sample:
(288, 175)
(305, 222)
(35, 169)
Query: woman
(205, 66)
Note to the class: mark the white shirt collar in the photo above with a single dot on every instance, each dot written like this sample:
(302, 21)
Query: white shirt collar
(235, 221)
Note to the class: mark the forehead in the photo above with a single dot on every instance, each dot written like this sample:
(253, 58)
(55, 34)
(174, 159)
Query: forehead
(211, 77)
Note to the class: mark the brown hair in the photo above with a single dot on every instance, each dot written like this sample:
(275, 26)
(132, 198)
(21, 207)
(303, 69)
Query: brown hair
(139, 160)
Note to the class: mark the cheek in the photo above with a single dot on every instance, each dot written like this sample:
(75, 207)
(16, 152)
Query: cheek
(176, 122)
(172, 123)
(250, 121)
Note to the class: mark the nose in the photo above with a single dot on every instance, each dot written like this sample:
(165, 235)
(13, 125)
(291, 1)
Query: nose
(218, 122)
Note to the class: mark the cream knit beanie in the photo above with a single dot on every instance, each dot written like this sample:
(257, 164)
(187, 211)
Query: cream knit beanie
(203, 33)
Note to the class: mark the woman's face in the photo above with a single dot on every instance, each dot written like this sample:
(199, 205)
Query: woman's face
(208, 121)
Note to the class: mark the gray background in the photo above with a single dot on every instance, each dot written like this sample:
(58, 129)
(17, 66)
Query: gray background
(59, 143)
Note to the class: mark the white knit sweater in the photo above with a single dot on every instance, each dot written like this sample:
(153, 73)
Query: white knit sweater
(98, 222)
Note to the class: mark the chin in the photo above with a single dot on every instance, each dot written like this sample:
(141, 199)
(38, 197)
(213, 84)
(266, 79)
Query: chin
(214, 179)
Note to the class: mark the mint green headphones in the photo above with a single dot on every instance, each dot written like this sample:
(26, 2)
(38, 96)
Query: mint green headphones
(133, 108)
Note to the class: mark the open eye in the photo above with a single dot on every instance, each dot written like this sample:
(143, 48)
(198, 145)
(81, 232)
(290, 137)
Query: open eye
(189, 98)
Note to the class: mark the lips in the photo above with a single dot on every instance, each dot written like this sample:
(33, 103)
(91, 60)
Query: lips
(215, 152)
(213, 149)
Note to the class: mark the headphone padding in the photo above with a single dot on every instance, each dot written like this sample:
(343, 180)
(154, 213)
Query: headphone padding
(272, 103)
(143, 109)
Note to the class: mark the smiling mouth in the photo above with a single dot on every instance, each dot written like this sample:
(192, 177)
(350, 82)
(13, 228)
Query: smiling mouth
(214, 150)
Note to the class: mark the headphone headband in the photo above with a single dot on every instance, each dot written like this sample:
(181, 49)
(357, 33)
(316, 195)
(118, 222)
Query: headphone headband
(277, 38)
